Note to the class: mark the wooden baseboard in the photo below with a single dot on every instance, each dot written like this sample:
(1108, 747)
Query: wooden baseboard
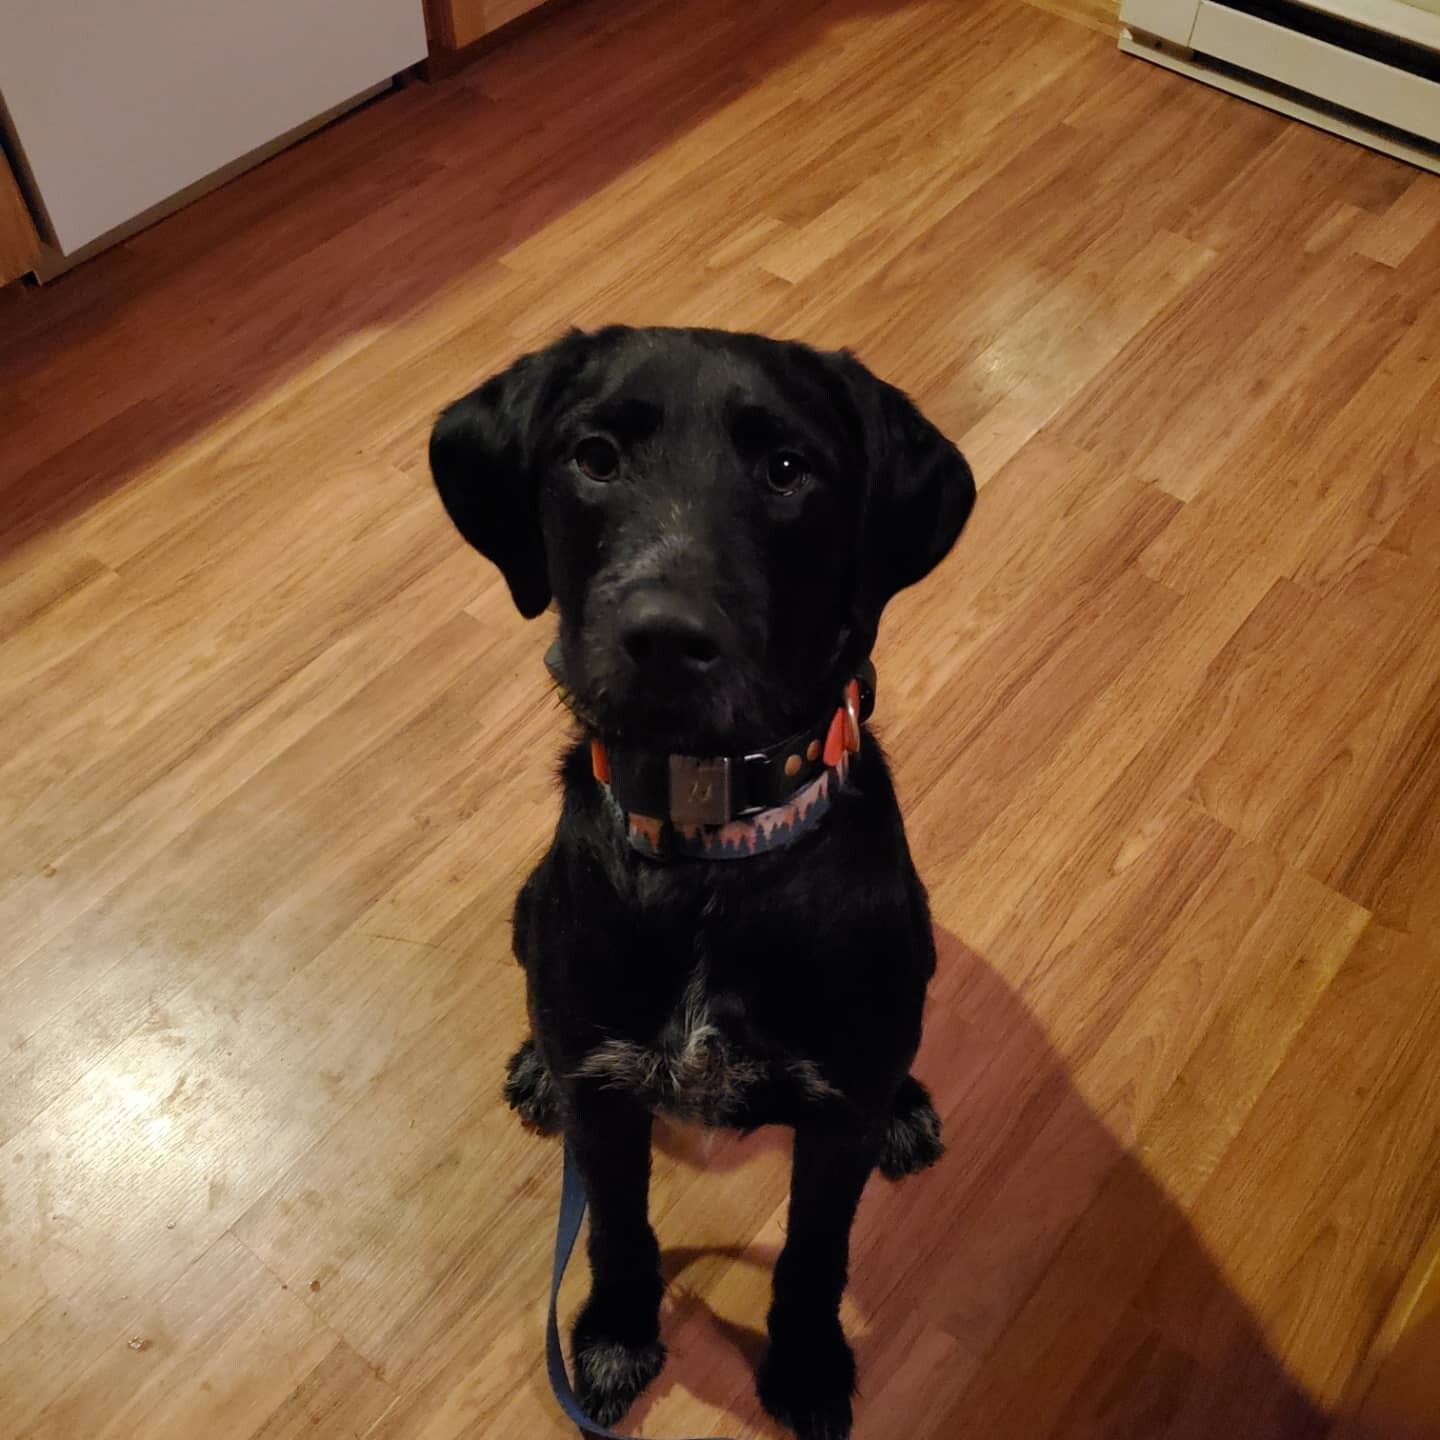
(447, 56)
(19, 242)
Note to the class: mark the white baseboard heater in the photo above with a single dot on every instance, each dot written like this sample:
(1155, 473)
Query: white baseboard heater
(1365, 69)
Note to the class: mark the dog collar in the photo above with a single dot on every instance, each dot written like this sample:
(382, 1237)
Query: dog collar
(730, 806)
(772, 828)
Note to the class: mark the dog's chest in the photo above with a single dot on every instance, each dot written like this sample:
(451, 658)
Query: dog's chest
(701, 1065)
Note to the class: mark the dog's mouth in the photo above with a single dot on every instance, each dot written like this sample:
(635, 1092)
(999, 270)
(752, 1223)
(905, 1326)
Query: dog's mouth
(720, 713)
(703, 719)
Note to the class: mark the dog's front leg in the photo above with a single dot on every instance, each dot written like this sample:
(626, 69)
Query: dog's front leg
(616, 1341)
(808, 1374)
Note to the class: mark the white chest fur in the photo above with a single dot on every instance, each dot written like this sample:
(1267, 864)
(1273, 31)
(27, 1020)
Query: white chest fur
(693, 1069)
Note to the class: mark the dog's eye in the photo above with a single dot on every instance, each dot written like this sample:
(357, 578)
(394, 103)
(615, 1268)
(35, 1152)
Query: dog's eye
(597, 457)
(786, 472)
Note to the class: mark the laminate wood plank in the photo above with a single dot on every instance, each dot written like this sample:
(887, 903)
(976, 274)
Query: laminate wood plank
(1059, 1329)
(339, 775)
(342, 1395)
(139, 346)
(1324, 471)
(1178, 760)
(255, 1343)
(253, 1102)
(716, 155)
(1064, 181)
(1059, 670)
(1234, 363)
(1394, 863)
(1103, 1377)
(1327, 1172)
(1320, 166)
(1416, 528)
(1099, 15)
(203, 605)
(1034, 1148)
(1101, 305)
(1399, 463)
(1362, 746)
(1397, 1391)
(1335, 228)
(275, 751)
(1277, 973)
(1095, 806)
(48, 609)
(1415, 272)
(1390, 238)
(651, 212)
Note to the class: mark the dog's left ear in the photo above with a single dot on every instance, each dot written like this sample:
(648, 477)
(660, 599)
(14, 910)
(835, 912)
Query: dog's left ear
(482, 455)
(920, 490)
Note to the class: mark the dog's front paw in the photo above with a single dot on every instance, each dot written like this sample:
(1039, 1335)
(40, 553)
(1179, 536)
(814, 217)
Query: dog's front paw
(610, 1373)
(531, 1092)
(807, 1378)
(912, 1139)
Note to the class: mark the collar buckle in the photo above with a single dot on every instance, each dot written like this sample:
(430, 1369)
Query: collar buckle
(700, 790)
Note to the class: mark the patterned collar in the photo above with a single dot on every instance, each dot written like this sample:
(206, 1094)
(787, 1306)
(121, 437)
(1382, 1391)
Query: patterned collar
(770, 829)
(728, 807)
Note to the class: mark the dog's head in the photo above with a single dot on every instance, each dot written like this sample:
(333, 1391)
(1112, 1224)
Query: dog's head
(720, 518)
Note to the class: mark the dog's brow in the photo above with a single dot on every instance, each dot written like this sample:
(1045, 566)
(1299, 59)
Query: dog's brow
(756, 426)
(628, 418)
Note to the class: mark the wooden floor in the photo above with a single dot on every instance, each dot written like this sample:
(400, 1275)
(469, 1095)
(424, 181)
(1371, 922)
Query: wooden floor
(275, 752)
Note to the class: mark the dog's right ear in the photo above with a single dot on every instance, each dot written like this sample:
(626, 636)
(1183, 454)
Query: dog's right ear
(483, 454)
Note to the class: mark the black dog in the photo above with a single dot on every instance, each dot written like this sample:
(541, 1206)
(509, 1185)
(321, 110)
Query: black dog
(727, 926)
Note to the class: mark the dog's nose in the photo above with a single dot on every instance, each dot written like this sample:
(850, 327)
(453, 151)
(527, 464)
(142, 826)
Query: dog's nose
(661, 630)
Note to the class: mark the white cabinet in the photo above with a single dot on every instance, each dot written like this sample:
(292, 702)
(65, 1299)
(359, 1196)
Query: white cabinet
(117, 105)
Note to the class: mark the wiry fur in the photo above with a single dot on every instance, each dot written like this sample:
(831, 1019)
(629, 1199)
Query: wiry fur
(530, 1091)
(912, 1138)
(609, 1375)
(768, 499)
(694, 1084)
(693, 1072)
(813, 1085)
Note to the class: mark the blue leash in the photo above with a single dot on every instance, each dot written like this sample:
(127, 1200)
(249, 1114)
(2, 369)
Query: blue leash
(572, 1213)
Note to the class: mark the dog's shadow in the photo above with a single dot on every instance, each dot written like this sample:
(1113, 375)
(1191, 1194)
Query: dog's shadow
(1037, 1282)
